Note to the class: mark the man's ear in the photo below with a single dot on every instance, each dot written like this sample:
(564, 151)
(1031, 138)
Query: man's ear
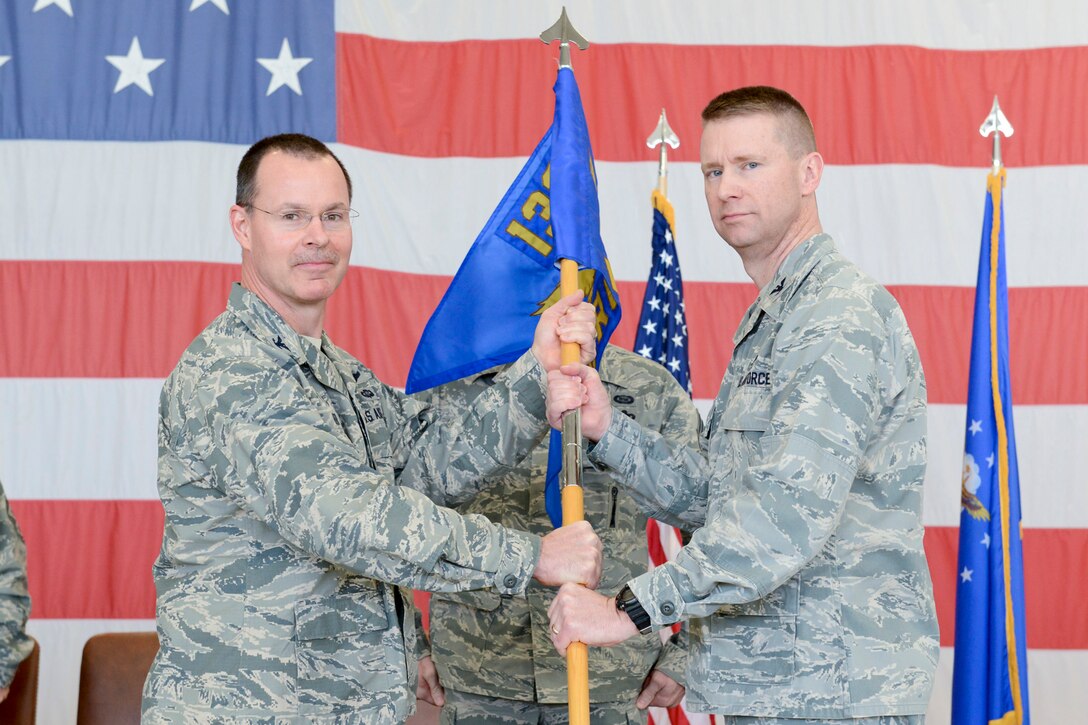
(812, 170)
(239, 225)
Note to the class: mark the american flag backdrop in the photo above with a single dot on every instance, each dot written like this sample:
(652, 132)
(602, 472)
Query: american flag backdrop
(122, 122)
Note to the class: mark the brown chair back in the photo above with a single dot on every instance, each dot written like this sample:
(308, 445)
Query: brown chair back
(111, 677)
(20, 706)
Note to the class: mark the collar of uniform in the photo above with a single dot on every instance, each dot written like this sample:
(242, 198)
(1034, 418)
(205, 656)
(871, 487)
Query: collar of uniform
(786, 278)
(269, 327)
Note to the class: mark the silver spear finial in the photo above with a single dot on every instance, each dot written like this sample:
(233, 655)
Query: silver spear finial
(565, 33)
(996, 124)
(664, 137)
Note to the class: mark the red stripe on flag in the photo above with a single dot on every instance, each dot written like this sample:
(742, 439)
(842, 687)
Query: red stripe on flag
(653, 542)
(856, 99)
(134, 319)
(100, 568)
(1055, 589)
(90, 559)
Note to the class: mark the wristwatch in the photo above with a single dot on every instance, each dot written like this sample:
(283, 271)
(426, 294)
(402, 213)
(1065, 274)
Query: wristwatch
(629, 605)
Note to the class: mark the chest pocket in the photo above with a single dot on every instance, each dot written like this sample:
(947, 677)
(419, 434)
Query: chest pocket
(375, 425)
(741, 421)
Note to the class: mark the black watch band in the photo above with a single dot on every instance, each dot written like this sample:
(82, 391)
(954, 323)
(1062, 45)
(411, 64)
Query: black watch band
(629, 605)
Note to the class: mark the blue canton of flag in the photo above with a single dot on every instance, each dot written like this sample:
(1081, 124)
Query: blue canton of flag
(208, 70)
(990, 680)
(663, 328)
(510, 275)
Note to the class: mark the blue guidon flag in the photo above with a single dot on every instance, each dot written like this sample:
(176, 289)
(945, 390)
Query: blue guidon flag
(511, 273)
(990, 678)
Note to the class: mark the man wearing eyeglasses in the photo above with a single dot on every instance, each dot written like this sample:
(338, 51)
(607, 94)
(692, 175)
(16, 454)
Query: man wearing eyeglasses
(298, 488)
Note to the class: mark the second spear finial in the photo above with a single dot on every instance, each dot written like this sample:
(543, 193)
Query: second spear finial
(664, 137)
(997, 125)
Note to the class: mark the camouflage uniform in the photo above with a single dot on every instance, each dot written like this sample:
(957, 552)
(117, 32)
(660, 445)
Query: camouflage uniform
(15, 645)
(807, 581)
(295, 486)
(499, 646)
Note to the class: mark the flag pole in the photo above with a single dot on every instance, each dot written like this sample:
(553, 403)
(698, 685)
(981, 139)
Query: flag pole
(571, 476)
(996, 124)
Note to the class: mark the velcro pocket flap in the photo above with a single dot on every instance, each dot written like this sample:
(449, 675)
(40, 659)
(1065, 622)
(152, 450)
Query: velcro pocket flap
(340, 614)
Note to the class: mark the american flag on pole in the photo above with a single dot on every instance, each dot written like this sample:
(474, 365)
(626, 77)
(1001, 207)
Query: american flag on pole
(663, 325)
(663, 337)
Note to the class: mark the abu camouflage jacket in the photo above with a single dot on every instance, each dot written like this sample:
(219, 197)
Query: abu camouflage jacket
(298, 496)
(807, 584)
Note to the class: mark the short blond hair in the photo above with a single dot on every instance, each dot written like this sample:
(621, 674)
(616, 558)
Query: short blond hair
(795, 126)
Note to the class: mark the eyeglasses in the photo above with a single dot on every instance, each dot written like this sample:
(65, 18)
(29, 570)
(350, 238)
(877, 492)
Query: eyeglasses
(293, 220)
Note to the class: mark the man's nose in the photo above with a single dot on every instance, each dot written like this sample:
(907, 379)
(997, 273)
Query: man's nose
(726, 187)
(316, 233)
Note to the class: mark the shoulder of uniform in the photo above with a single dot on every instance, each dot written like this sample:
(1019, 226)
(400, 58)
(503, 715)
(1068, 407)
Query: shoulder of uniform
(629, 369)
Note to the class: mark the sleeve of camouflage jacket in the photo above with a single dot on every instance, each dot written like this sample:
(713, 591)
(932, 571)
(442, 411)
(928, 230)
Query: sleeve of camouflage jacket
(824, 398)
(673, 659)
(274, 449)
(680, 444)
(15, 645)
(508, 425)
(423, 641)
(667, 477)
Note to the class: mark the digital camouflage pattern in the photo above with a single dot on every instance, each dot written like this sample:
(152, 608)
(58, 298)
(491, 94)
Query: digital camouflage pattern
(298, 491)
(807, 580)
(499, 646)
(15, 645)
(467, 709)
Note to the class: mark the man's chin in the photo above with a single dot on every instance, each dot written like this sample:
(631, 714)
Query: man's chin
(318, 290)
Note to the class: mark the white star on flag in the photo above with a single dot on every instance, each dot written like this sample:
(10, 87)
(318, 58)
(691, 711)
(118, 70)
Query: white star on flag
(965, 575)
(655, 303)
(221, 4)
(985, 540)
(645, 351)
(976, 427)
(674, 364)
(660, 279)
(284, 69)
(666, 258)
(135, 68)
(667, 284)
(650, 327)
(65, 5)
(678, 340)
(990, 460)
